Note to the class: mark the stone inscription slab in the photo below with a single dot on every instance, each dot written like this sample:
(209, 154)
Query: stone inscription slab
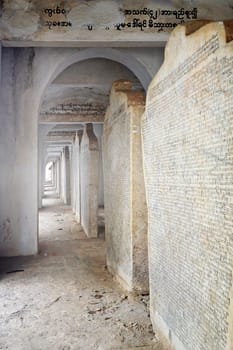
(125, 207)
(187, 141)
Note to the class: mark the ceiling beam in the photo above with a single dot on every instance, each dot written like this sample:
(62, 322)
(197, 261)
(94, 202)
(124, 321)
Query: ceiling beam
(56, 139)
(62, 133)
(69, 118)
(159, 40)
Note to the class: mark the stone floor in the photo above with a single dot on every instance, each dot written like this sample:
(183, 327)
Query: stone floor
(64, 298)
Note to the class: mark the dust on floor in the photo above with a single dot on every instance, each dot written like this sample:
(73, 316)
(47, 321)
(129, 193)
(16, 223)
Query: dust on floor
(65, 299)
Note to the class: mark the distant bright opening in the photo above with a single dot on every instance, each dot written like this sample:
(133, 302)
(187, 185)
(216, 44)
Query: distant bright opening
(48, 172)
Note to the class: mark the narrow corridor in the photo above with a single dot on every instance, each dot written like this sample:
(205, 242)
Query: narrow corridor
(64, 298)
(116, 175)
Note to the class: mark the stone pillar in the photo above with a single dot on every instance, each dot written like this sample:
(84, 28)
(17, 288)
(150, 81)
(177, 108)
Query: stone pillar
(124, 190)
(89, 167)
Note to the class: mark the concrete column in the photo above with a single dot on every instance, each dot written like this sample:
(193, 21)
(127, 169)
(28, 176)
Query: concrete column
(78, 177)
(51, 171)
(41, 175)
(58, 171)
(43, 131)
(98, 130)
(18, 155)
(72, 189)
(67, 197)
(54, 176)
(71, 173)
(89, 181)
(63, 176)
(74, 174)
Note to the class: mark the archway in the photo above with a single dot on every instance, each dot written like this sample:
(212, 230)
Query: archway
(126, 60)
(69, 95)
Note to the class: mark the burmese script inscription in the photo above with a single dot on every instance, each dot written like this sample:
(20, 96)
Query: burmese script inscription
(187, 140)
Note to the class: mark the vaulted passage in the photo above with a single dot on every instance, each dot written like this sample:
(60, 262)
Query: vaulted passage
(116, 173)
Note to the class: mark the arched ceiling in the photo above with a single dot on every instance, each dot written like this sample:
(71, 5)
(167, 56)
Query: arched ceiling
(79, 95)
(83, 90)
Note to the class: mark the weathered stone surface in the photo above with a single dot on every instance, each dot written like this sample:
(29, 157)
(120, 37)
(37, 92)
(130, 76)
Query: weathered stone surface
(89, 166)
(187, 150)
(125, 207)
(122, 22)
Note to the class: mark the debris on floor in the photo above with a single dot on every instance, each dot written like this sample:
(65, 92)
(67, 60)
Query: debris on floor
(65, 298)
